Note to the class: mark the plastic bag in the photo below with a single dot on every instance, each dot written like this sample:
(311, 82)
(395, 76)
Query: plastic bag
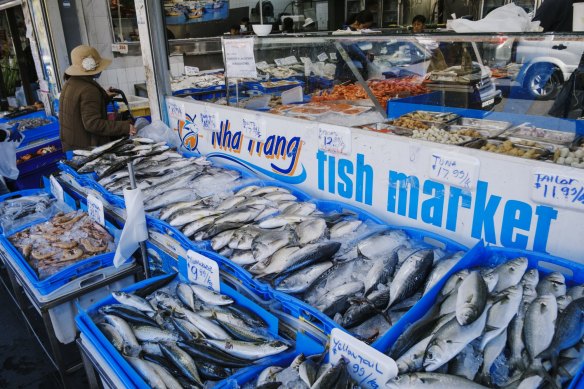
(8, 167)
(508, 18)
(159, 132)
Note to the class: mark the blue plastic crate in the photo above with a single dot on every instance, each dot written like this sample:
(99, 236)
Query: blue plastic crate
(23, 193)
(128, 375)
(34, 178)
(481, 256)
(37, 114)
(47, 131)
(52, 283)
(41, 161)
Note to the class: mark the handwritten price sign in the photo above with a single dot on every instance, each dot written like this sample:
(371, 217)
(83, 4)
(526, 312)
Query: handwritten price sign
(456, 170)
(57, 189)
(369, 367)
(203, 271)
(253, 128)
(95, 209)
(210, 121)
(334, 139)
(559, 190)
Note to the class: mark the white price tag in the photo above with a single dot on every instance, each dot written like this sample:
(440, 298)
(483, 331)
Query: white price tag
(334, 139)
(57, 189)
(322, 57)
(305, 60)
(176, 109)
(333, 56)
(279, 61)
(240, 58)
(253, 127)
(95, 209)
(121, 48)
(561, 190)
(455, 169)
(210, 121)
(369, 367)
(203, 271)
(291, 60)
(293, 95)
(191, 70)
(262, 65)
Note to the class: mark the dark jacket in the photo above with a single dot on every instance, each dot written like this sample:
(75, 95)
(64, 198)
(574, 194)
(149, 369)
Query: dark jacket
(556, 15)
(83, 115)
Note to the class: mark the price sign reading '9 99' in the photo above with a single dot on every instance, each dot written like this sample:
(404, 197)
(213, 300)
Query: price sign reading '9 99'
(203, 271)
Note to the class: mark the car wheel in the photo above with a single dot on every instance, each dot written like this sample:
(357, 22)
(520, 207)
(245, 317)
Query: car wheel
(543, 82)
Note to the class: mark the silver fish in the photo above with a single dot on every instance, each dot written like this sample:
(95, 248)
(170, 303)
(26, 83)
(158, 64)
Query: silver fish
(169, 197)
(431, 380)
(310, 231)
(539, 326)
(186, 216)
(170, 210)
(266, 244)
(440, 269)
(147, 372)
(222, 239)
(413, 359)
(169, 381)
(300, 209)
(183, 361)
(268, 375)
(336, 300)
(410, 277)
(303, 279)
(381, 245)
(502, 312)
(249, 350)
(190, 229)
(133, 301)
(206, 326)
(153, 334)
(283, 220)
(267, 190)
(230, 202)
(243, 257)
(344, 228)
(492, 350)
(471, 298)
(453, 282)
(124, 329)
(210, 297)
(554, 283)
(510, 273)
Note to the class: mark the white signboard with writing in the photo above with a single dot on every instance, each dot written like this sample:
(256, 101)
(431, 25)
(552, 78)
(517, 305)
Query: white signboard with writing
(558, 189)
(253, 127)
(176, 110)
(95, 209)
(334, 139)
(203, 271)
(57, 189)
(239, 58)
(454, 169)
(368, 367)
(210, 120)
(191, 70)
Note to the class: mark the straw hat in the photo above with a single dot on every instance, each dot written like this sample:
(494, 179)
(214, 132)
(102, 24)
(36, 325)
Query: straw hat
(86, 61)
(308, 22)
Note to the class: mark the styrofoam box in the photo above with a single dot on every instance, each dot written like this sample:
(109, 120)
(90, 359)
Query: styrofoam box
(110, 381)
(63, 315)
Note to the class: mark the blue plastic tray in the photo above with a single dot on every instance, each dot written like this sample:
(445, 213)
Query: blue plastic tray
(47, 131)
(37, 114)
(127, 374)
(52, 283)
(485, 256)
(42, 161)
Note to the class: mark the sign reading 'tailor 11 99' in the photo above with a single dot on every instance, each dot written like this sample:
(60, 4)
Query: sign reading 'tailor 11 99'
(458, 193)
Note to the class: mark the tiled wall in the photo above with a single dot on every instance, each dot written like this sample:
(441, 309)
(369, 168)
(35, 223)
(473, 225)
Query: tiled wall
(124, 71)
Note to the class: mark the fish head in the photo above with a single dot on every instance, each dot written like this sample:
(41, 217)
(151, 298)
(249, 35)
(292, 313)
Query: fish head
(531, 277)
(491, 280)
(467, 314)
(434, 357)
(401, 381)
(517, 265)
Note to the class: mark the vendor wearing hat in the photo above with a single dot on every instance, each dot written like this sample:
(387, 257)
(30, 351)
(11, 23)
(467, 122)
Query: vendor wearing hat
(309, 24)
(83, 104)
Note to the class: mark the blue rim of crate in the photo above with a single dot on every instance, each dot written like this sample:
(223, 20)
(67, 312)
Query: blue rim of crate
(49, 130)
(40, 161)
(64, 276)
(477, 257)
(24, 193)
(31, 115)
(122, 367)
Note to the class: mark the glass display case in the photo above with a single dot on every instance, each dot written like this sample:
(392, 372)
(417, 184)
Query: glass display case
(510, 94)
(123, 21)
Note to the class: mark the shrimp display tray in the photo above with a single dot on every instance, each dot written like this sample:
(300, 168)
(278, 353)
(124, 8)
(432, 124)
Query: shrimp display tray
(128, 375)
(481, 256)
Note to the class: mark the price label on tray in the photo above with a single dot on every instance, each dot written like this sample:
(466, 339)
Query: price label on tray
(369, 367)
(176, 110)
(333, 56)
(262, 65)
(279, 61)
(210, 121)
(191, 70)
(291, 60)
(322, 57)
(334, 139)
(95, 209)
(121, 48)
(454, 169)
(305, 60)
(253, 127)
(561, 190)
(203, 271)
(57, 189)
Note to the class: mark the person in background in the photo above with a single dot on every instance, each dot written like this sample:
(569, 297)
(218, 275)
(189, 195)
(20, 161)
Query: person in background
(8, 134)
(556, 15)
(235, 29)
(363, 20)
(83, 104)
(309, 25)
(418, 24)
(288, 25)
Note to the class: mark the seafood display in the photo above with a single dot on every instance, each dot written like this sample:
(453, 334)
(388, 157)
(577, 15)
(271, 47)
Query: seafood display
(165, 176)
(203, 80)
(383, 90)
(18, 211)
(336, 262)
(39, 153)
(439, 135)
(575, 158)
(185, 335)
(506, 326)
(305, 373)
(29, 124)
(65, 239)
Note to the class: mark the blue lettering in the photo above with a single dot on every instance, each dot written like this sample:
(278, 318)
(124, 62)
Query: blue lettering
(364, 187)
(452, 215)
(332, 173)
(345, 187)
(321, 158)
(542, 230)
(484, 214)
(517, 215)
(433, 208)
(403, 182)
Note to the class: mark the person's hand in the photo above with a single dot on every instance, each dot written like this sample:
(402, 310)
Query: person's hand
(110, 93)
(133, 130)
(15, 135)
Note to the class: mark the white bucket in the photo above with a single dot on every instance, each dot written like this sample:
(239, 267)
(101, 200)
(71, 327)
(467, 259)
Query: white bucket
(578, 20)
